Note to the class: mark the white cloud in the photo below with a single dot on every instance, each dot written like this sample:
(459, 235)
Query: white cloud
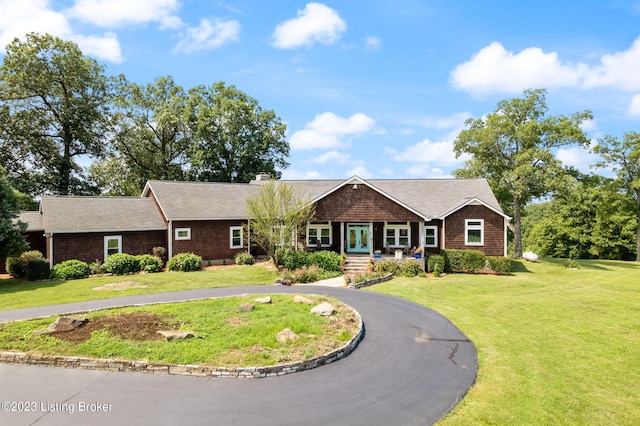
(207, 36)
(634, 106)
(440, 152)
(106, 47)
(334, 157)
(577, 157)
(372, 43)
(359, 171)
(291, 174)
(620, 70)
(455, 120)
(425, 171)
(20, 18)
(113, 13)
(315, 23)
(327, 130)
(493, 69)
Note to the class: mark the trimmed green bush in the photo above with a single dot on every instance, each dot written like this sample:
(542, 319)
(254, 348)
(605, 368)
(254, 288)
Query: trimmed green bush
(453, 260)
(149, 263)
(473, 260)
(70, 270)
(294, 259)
(433, 260)
(500, 265)
(121, 264)
(244, 258)
(410, 268)
(185, 262)
(387, 267)
(38, 269)
(18, 267)
(327, 260)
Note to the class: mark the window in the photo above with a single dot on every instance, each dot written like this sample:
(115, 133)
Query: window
(112, 245)
(235, 237)
(183, 233)
(397, 234)
(319, 234)
(431, 236)
(474, 232)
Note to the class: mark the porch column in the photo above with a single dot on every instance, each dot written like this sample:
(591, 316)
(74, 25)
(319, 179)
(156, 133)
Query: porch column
(421, 235)
(370, 239)
(443, 239)
(341, 238)
(249, 236)
(170, 241)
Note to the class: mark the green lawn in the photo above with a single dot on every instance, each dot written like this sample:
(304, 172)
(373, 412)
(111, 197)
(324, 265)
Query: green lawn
(21, 294)
(225, 337)
(555, 345)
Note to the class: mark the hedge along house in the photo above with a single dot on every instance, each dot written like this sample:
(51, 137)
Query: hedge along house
(353, 216)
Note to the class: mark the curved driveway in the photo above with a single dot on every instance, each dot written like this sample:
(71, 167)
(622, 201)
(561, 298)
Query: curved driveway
(411, 368)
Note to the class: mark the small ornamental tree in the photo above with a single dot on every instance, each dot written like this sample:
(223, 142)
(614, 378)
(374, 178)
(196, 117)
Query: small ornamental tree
(277, 213)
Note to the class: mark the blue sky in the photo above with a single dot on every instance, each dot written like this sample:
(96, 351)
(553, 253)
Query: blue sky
(376, 88)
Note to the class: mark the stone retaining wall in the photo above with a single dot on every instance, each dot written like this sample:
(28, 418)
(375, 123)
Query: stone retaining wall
(107, 364)
(387, 277)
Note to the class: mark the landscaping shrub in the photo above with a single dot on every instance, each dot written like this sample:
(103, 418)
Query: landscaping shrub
(500, 265)
(70, 270)
(327, 260)
(410, 268)
(185, 262)
(159, 252)
(18, 267)
(149, 263)
(387, 267)
(473, 260)
(278, 255)
(95, 268)
(121, 264)
(244, 258)
(433, 260)
(294, 259)
(38, 269)
(453, 260)
(437, 269)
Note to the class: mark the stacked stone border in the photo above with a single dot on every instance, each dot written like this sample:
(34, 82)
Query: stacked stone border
(367, 283)
(111, 364)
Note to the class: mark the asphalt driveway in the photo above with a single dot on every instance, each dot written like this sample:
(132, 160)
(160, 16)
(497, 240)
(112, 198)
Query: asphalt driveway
(411, 368)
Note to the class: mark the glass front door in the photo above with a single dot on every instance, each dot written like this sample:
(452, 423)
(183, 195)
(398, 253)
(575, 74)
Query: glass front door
(358, 238)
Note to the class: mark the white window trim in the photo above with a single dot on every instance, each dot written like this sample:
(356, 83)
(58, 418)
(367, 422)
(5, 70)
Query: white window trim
(468, 228)
(397, 234)
(179, 230)
(107, 238)
(319, 227)
(231, 230)
(435, 235)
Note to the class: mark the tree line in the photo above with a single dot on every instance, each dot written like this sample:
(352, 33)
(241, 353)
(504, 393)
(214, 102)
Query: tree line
(60, 112)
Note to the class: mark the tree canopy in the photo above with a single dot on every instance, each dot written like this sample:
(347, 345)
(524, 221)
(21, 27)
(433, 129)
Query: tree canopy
(624, 157)
(12, 241)
(276, 214)
(234, 138)
(512, 149)
(54, 105)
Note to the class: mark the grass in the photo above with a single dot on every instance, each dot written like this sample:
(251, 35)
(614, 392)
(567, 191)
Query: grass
(555, 345)
(15, 294)
(225, 336)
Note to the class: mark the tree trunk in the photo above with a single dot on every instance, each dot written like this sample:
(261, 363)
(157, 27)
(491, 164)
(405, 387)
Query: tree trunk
(517, 231)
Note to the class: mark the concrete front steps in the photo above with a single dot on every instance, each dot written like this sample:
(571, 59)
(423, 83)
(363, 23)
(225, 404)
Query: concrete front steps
(356, 263)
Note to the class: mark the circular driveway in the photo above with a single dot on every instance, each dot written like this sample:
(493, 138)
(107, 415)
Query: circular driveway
(411, 368)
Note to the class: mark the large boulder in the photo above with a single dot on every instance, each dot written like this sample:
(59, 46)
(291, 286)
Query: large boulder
(323, 309)
(266, 299)
(285, 335)
(302, 299)
(176, 334)
(63, 324)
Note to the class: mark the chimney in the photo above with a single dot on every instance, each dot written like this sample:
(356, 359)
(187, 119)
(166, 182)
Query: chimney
(263, 176)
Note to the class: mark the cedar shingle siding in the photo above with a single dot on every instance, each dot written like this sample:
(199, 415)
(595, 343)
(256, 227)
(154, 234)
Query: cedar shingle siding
(210, 239)
(90, 247)
(493, 230)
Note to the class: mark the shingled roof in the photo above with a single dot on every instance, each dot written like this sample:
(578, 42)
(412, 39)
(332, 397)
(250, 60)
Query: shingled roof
(430, 198)
(66, 214)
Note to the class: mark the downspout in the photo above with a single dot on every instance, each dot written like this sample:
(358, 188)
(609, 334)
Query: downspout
(370, 239)
(444, 233)
(50, 250)
(170, 240)
(505, 236)
(249, 236)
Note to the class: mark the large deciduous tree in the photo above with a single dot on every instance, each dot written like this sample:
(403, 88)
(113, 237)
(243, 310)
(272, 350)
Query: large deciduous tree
(277, 213)
(151, 140)
(624, 157)
(234, 137)
(12, 241)
(54, 109)
(512, 149)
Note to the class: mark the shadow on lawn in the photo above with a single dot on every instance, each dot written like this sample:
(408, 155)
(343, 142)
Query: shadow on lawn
(12, 285)
(519, 266)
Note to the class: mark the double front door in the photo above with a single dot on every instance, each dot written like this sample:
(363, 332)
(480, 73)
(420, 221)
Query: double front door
(358, 238)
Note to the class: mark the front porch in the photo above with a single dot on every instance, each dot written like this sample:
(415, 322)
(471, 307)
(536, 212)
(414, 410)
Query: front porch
(360, 262)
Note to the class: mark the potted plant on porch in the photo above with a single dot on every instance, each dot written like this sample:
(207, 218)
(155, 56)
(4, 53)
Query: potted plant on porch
(377, 254)
(398, 253)
(418, 253)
